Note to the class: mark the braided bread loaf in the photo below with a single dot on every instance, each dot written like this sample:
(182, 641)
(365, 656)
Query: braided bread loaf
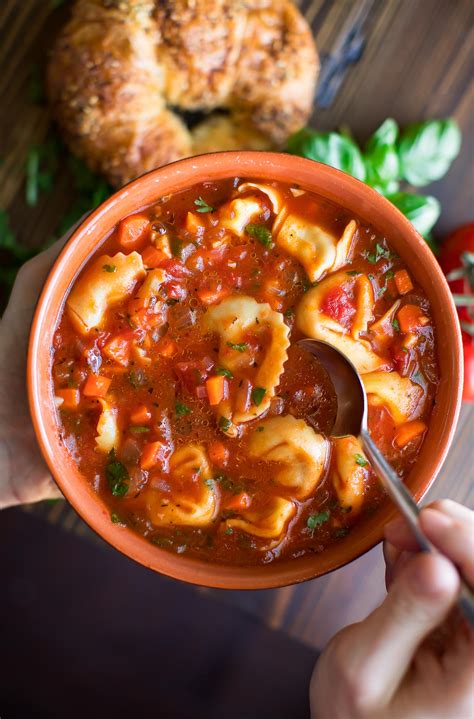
(121, 68)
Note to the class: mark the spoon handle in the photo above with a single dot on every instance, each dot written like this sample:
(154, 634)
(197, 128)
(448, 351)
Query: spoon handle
(407, 506)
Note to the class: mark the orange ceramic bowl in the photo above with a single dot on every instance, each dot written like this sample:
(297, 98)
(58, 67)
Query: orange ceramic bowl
(331, 184)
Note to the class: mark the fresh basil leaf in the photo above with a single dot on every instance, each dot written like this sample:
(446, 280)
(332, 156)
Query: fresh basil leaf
(381, 158)
(258, 393)
(117, 476)
(427, 149)
(260, 233)
(223, 372)
(315, 520)
(386, 134)
(361, 460)
(329, 148)
(422, 210)
(224, 423)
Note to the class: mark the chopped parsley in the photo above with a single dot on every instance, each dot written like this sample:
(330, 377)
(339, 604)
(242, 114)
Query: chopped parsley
(289, 313)
(229, 530)
(352, 273)
(139, 429)
(224, 423)
(361, 460)
(396, 325)
(260, 233)
(202, 205)
(237, 347)
(223, 372)
(117, 476)
(389, 275)
(340, 532)
(181, 409)
(315, 520)
(115, 519)
(380, 253)
(258, 393)
(109, 268)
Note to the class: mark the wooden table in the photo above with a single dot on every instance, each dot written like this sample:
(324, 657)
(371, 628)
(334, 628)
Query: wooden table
(408, 59)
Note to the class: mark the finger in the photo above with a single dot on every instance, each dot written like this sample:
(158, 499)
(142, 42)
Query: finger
(453, 509)
(452, 538)
(419, 600)
(400, 535)
(395, 560)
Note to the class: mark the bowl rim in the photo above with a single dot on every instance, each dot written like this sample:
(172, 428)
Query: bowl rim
(82, 498)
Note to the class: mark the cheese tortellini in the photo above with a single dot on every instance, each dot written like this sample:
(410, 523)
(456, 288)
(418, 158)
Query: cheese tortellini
(301, 453)
(238, 213)
(271, 192)
(194, 498)
(314, 247)
(269, 521)
(234, 319)
(350, 471)
(106, 282)
(314, 322)
(398, 394)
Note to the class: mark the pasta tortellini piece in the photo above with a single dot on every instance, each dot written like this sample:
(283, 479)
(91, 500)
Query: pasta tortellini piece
(269, 521)
(350, 471)
(301, 453)
(234, 319)
(108, 434)
(314, 319)
(237, 214)
(150, 289)
(398, 394)
(271, 192)
(194, 497)
(314, 247)
(106, 282)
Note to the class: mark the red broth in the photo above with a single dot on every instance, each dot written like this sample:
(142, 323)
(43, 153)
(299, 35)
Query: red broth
(145, 373)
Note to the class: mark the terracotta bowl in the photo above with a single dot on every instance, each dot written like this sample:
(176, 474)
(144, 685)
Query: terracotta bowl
(331, 184)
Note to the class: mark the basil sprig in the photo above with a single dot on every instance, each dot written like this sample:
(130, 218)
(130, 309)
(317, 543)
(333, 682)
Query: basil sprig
(422, 153)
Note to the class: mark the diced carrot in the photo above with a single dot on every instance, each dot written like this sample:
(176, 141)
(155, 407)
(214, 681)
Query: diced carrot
(218, 453)
(153, 257)
(239, 502)
(141, 415)
(403, 282)
(216, 389)
(212, 295)
(133, 232)
(96, 386)
(409, 431)
(70, 397)
(167, 347)
(118, 350)
(152, 453)
(411, 318)
(193, 224)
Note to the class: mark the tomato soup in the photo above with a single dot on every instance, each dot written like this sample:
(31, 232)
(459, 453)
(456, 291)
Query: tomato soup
(183, 395)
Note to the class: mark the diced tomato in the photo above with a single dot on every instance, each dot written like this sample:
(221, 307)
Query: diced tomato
(166, 347)
(218, 453)
(152, 453)
(192, 374)
(409, 431)
(213, 294)
(403, 282)
(411, 318)
(175, 290)
(133, 232)
(401, 360)
(339, 306)
(141, 415)
(239, 502)
(175, 268)
(70, 397)
(216, 388)
(152, 257)
(118, 350)
(96, 386)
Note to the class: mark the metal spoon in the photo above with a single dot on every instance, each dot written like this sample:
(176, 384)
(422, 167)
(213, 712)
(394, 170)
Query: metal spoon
(351, 418)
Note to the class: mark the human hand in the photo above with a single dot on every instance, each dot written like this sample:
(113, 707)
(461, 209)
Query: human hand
(414, 655)
(24, 476)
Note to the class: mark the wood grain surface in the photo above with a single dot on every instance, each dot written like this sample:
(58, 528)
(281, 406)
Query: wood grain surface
(408, 59)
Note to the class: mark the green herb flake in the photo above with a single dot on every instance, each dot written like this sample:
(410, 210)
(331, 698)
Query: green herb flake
(389, 275)
(223, 372)
(115, 519)
(117, 476)
(258, 393)
(229, 530)
(260, 233)
(109, 268)
(340, 532)
(361, 460)
(224, 423)
(316, 520)
(353, 273)
(181, 409)
(289, 314)
(202, 205)
(396, 325)
(260, 429)
(139, 429)
(237, 347)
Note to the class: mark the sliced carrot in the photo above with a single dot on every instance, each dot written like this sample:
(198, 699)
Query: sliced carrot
(218, 453)
(411, 318)
(409, 431)
(153, 257)
(216, 389)
(167, 347)
(96, 386)
(212, 295)
(152, 453)
(141, 415)
(118, 350)
(70, 397)
(193, 224)
(133, 232)
(239, 502)
(403, 282)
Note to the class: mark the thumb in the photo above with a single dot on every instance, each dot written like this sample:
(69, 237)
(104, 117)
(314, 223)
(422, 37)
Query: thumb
(418, 601)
